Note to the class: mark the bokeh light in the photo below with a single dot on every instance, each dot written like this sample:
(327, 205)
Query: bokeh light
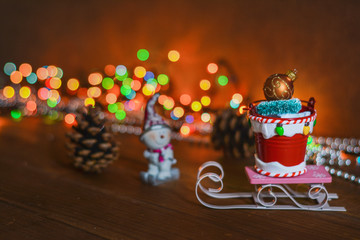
(24, 92)
(16, 77)
(149, 75)
(115, 90)
(110, 70)
(196, 106)
(223, 80)
(205, 101)
(242, 109)
(73, 84)
(95, 78)
(162, 99)
(9, 67)
(94, 92)
(143, 54)
(55, 83)
(212, 68)
(31, 106)
(148, 89)
(16, 114)
(185, 130)
(59, 73)
(237, 98)
(234, 104)
(112, 107)
(140, 72)
(89, 102)
(107, 83)
(111, 98)
(205, 117)
(121, 70)
(42, 73)
(25, 69)
(169, 103)
(185, 99)
(163, 79)
(136, 85)
(51, 103)
(8, 92)
(174, 56)
(178, 112)
(205, 84)
(69, 118)
(43, 93)
(120, 114)
(32, 78)
(52, 70)
(189, 119)
(125, 90)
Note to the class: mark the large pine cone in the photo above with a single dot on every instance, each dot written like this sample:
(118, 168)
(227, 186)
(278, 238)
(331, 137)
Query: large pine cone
(233, 134)
(91, 144)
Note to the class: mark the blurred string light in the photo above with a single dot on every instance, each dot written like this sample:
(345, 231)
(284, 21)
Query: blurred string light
(16, 77)
(140, 72)
(42, 73)
(69, 118)
(163, 79)
(8, 92)
(242, 109)
(73, 84)
(55, 83)
(25, 69)
(205, 84)
(223, 80)
(169, 103)
(110, 70)
(212, 68)
(95, 78)
(189, 119)
(32, 78)
(149, 75)
(94, 92)
(89, 102)
(9, 67)
(107, 83)
(185, 130)
(174, 56)
(52, 71)
(205, 101)
(205, 117)
(185, 99)
(16, 114)
(111, 98)
(143, 54)
(120, 70)
(178, 112)
(24, 92)
(31, 106)
(120, 114)
(196, 106)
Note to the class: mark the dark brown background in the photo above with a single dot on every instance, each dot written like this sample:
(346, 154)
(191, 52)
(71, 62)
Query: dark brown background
(258, 38)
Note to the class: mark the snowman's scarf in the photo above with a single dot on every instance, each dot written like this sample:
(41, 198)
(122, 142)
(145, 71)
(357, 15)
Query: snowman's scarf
(161, 151)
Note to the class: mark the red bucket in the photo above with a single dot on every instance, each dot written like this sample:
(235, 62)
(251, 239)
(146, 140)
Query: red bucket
(282, 156)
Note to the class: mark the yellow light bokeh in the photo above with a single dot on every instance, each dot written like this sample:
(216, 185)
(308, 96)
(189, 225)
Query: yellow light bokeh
(185, 130)
(89, 102)
(95, 78)
(169, 103)
(205, 84)
(55, 83)
(73, 84)
(174, 56)
(196, 106)
(179, 112)
(148, 89)
(140, 72)
(52, 70)
(8, 92)
(16, 77)
(205, 101)
(242, 109)
(24, 92)
(94, 92)
(25, 69)
(54, 95)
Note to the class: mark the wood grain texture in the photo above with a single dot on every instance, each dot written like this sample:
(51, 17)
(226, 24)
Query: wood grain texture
(43, 197)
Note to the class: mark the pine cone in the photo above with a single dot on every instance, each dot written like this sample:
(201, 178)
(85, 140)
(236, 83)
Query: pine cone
(233, 134)
(91, 145)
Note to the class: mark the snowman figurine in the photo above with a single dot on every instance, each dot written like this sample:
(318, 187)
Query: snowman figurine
(156, 136)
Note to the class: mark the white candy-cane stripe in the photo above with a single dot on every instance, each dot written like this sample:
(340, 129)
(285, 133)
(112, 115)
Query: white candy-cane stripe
(279, 175)
(282, 121)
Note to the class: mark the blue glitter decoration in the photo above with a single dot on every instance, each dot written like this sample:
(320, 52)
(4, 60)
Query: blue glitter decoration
(270, 108)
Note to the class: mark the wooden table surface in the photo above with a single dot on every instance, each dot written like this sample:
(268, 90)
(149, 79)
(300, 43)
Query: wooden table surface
(43, 197)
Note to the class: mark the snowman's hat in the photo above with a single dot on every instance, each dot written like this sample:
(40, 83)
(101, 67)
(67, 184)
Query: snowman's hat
(152, 120)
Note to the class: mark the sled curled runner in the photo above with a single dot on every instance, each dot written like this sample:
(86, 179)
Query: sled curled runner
(269, 191)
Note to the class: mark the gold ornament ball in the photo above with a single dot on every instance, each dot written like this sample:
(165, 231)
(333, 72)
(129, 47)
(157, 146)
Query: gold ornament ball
(280, 86)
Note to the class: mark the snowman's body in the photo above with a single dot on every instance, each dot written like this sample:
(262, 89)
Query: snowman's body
(159, 153)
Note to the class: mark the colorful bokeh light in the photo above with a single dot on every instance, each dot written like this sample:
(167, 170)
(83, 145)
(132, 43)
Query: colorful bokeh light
(25, 69)
(143, 54)
(205, 84)
(212, 68)
(185, 99)
(31, 106)
(205, 117)
(120, 114)
(69, 118)
(178, 112)
(174, 56)
(237, 98)
(55, 83)
(140, 72)
(163, 79)
(73, 84)
(9, 67)
(223, 80)
(24, 92)
(89, 102)
(32, 78)
(205, 101)
(110, 70)
(185, 130)
(94, 92)
(111, 98)
(16, 114)
(107, 83)
(95, 78)
(8, 92)
(196, 106)
(42, 73)
(121, 70)
(16, 77)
